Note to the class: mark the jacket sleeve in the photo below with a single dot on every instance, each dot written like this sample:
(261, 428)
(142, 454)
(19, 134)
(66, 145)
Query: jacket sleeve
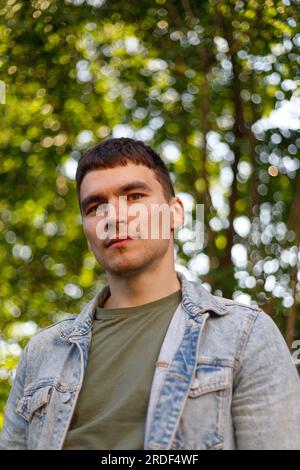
(13, 434)
(266, 393)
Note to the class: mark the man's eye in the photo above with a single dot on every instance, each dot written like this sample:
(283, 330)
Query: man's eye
(133, 196)
(91, 209)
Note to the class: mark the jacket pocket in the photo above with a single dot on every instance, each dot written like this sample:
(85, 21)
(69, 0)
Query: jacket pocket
(34, 402)
(209, 378)
(206, 413)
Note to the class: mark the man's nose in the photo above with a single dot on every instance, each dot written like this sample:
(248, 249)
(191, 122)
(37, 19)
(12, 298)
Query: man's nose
(116, 214)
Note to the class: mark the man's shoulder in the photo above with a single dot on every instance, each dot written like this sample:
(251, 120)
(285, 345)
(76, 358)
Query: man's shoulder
(227, 309)
(241, 333)
(242, 316)
(236, 308)
(47, 333)
(71, 322)
(252, 326)
(239, 311)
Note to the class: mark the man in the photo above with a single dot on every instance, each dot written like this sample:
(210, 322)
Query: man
(153, 361)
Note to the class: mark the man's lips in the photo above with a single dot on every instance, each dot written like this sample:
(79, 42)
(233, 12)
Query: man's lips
(117, 241)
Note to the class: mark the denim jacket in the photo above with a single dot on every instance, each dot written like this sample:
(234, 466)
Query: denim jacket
(224, 379)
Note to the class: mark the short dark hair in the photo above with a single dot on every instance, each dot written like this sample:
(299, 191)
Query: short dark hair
(119, 151)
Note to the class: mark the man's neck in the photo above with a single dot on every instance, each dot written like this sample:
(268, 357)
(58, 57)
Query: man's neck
(142, 288)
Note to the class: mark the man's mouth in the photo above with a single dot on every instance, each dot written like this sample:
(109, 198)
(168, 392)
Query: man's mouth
(117, 241)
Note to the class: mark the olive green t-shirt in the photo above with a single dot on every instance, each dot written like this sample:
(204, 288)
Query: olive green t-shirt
(111, 409)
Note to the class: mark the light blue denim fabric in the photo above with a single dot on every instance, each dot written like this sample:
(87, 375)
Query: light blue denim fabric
(224, 379)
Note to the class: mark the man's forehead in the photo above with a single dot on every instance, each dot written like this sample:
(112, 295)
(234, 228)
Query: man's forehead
(111, 179)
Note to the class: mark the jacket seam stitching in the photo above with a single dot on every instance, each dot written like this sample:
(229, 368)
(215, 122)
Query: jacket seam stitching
(25, 380)
(244, 339)
(54, 324)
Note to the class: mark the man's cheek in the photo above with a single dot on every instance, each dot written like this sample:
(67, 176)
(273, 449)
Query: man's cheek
(93, 243)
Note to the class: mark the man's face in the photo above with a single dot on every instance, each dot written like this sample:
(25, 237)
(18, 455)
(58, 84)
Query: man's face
(140, 194)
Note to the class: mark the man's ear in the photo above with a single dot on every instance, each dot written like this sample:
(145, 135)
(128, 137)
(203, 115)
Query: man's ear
(177, 219)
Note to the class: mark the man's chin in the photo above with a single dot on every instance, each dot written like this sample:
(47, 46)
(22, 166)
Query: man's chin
(124, 268)
(125, 271)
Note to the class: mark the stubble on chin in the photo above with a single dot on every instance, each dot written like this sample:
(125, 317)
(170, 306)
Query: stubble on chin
(127, 265)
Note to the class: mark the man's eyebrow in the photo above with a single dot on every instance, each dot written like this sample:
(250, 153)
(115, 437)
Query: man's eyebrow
(123, 189)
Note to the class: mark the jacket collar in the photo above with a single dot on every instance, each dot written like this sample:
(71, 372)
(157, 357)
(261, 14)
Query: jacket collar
(195, 300)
